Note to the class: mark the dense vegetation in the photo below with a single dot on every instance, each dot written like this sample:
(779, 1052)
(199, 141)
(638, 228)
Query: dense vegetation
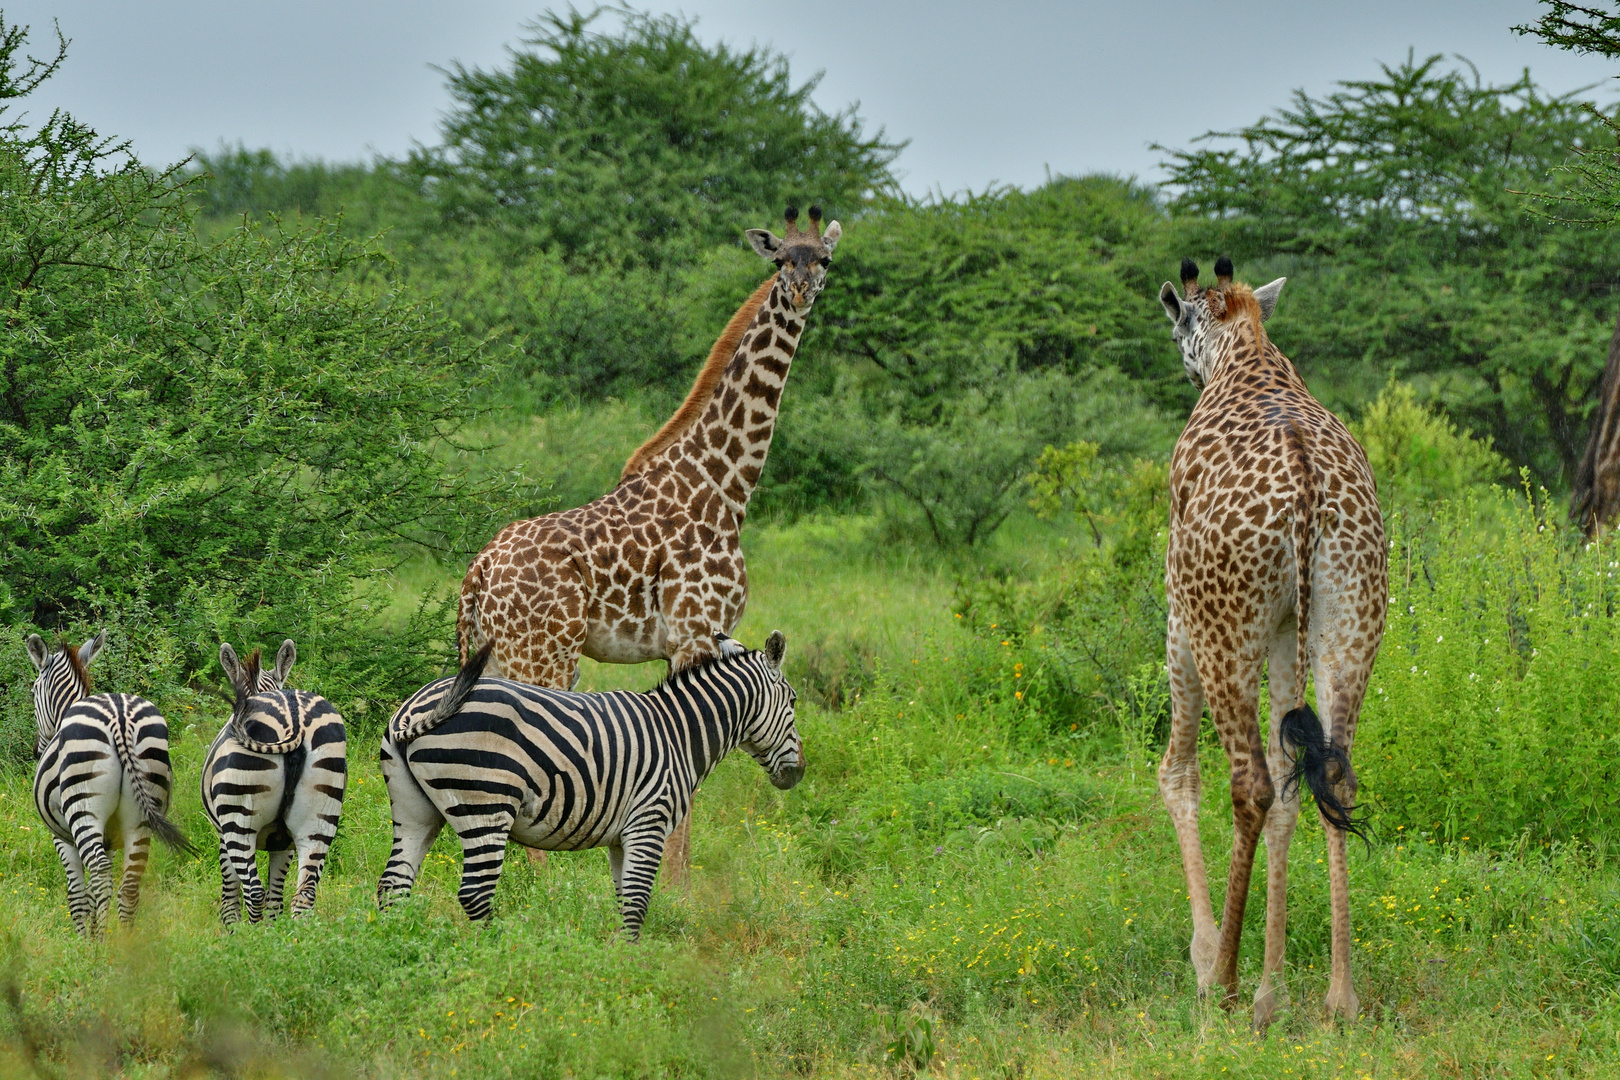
(252, 397)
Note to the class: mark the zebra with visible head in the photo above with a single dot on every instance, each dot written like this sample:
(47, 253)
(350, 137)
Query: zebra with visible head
(559, 770)
(273, 780)
(102, 780)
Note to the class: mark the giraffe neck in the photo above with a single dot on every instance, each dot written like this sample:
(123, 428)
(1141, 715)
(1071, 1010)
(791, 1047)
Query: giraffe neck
(1247, 350)
(729, 442)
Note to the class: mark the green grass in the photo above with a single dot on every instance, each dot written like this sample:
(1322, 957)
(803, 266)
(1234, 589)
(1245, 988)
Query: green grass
(942, 862)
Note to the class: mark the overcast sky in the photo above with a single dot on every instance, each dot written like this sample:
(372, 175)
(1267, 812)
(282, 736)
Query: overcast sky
(986, 92)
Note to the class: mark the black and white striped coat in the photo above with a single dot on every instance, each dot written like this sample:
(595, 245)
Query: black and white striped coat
(560, 770)
(273, 780)
(102, 780)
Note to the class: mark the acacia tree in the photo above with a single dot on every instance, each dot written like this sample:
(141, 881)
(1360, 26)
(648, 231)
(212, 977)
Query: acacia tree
(1592, 29)
(1395, 207)
(210, 439)
(642, 145)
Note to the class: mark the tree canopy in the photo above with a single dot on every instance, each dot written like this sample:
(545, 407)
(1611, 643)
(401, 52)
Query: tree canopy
(644, 144)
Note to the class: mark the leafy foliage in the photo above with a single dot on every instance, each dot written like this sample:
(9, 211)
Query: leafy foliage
(1418, 456)
(1395, 203)
(228, 440)
(643, 146)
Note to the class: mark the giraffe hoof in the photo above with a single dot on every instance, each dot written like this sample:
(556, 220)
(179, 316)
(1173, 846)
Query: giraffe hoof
(1265, 1007)
(1342, 1004)
(537, 857)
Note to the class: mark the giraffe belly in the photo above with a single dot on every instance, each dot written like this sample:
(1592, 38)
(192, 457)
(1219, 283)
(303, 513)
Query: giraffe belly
(618, 643)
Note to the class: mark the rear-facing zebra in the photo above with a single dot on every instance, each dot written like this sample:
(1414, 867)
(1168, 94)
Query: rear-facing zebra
(559, 770)
(274, 780)
(102, 780)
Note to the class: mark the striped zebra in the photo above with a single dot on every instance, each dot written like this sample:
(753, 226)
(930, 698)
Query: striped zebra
(563, 771)
(273, 780)
(102, 780)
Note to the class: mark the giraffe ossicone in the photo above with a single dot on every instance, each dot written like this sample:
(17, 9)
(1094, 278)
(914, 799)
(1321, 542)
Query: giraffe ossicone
(654, 568)
(1276, 557)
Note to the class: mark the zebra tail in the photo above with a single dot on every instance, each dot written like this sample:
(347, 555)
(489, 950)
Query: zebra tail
(239, 733)
(453, 699)
(146, 799)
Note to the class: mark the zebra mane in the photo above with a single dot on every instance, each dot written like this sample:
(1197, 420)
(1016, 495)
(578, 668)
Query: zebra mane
(71, 651)
(690, 671)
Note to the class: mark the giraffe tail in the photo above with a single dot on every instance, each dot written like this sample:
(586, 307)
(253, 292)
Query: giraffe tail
(1319, 763)
(1320, 766)
(468, 632)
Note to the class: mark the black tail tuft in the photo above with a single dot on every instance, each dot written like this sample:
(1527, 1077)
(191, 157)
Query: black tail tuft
(1320, 765)
(168, 832)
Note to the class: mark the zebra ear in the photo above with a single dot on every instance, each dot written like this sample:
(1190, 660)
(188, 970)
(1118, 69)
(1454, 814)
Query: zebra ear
(38, 651)
(286, 657)
(232, 666)
(88, 651)
(775, 646)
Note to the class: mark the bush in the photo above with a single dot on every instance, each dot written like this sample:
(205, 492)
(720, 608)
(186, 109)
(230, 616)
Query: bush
(221, 441)
(1419, 456)
(1489, 713)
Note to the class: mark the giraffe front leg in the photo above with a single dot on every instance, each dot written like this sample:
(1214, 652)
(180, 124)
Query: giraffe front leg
(79, 904)
(1278, 832)
(677, 859)
(1179, 787)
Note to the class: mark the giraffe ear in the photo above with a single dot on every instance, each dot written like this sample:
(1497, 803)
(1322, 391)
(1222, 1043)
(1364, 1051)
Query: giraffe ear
(765, 242)
(830, 238)
(38, 651)
(1171, 299)
(1267, 296)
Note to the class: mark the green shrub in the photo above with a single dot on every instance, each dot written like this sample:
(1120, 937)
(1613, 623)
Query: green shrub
(1490, 711)
(1419, 456)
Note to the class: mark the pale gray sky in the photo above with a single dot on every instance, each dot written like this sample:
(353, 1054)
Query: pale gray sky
(986, 92)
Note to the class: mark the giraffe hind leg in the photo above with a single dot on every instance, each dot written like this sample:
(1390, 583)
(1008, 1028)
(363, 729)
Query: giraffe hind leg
(1278, 832)
(1179, 787)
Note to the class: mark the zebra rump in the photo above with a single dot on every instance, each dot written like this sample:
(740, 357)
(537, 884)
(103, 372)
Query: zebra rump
(274, 779)
(102, 779)
(560, 770)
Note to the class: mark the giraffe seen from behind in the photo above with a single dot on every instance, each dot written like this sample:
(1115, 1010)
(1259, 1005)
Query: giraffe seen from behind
(654, 569)
(1276, 555)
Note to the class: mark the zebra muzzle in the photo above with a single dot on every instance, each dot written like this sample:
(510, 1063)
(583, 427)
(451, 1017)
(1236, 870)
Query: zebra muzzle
(786, 777)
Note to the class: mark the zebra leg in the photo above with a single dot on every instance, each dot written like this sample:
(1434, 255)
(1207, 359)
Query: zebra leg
(78, 895)
(416, 825)
(311, 861)
(92, 851)
(230, 889)
(616, 867)
(483, 854)
(638, 867)
(137, 846)
(276, 881)
(244, 857)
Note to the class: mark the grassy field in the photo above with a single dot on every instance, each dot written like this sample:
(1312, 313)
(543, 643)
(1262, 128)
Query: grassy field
(999, 903)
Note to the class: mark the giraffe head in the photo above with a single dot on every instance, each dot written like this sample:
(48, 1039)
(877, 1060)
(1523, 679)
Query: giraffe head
(64, 677)
(1201, 318)
(801, 255)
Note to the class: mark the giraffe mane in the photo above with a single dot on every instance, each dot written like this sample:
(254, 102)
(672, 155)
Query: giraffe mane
(1231, 300)
(708, 377)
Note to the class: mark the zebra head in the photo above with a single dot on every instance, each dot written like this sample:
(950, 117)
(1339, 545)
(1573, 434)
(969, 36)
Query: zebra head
(769, 734)
(64, 677)
(274, 678)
